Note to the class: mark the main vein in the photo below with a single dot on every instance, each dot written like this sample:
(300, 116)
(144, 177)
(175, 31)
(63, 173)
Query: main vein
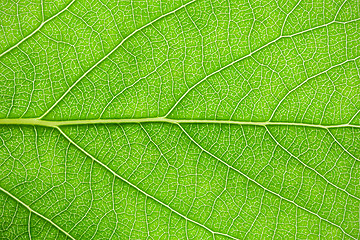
(47, 123)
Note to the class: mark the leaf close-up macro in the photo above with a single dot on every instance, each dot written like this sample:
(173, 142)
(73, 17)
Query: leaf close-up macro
(200, 119)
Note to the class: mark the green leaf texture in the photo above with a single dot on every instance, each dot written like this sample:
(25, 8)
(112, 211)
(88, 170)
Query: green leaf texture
(199, 119)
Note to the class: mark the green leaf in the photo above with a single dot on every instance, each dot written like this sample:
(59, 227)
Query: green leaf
(179, 119)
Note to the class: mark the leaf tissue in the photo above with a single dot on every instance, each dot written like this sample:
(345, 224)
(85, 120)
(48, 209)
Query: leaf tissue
(201, 119)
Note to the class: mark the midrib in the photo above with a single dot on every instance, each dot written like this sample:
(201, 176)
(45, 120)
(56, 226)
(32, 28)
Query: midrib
(47, 123)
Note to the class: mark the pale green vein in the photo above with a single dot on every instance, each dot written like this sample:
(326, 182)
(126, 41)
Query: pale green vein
(335, 139)
(56, 125)
(38, 214)
(312, 77)
(37, 29)
(261, 186)
(308, 167)
(108, 54)
(139, 189)
(47, 123)
(196, 84)
(246, 56)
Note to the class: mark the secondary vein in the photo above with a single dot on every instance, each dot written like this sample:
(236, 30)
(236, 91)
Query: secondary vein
(37, 29)
(38, 214)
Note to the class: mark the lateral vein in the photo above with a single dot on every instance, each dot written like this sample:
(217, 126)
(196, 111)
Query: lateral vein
(263, 187)
(109, 53)
(139, 189)
(38, 214)
(37, 29)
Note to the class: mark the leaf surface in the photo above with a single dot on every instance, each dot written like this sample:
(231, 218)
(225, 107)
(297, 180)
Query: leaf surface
(180, 120)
